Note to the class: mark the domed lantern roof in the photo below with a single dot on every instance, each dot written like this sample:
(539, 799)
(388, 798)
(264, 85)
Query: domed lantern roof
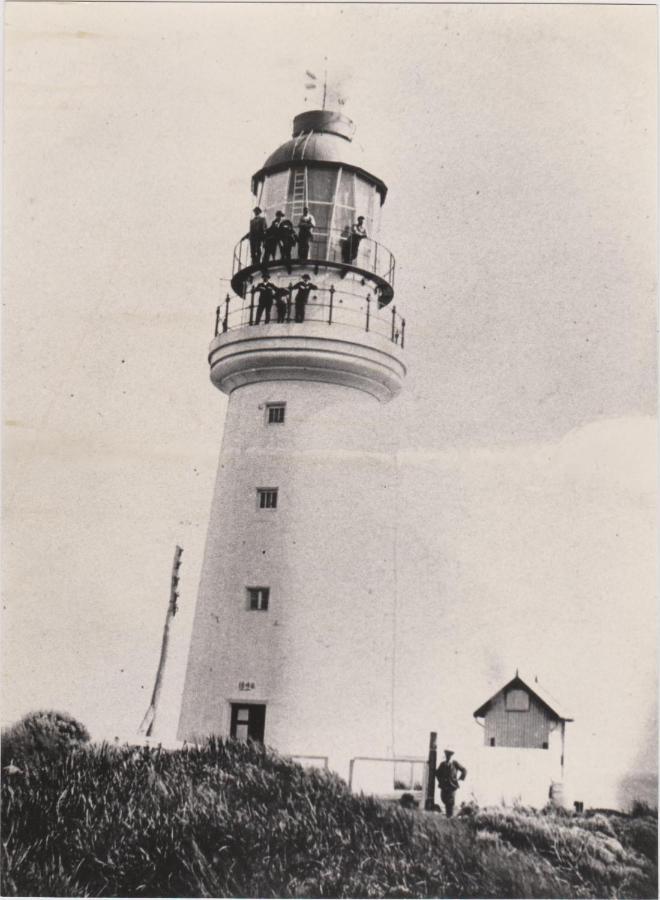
(320, 137)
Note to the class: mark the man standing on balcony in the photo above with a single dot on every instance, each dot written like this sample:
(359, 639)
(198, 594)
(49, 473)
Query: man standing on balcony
(302, 289)
(266, 292)
(358, 233)
(282, 302)
(256, 234)
(272, 239)
(306, 226)
(287, 236)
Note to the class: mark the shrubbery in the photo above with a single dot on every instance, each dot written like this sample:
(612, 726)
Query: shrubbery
(44, 732)
(234, 819)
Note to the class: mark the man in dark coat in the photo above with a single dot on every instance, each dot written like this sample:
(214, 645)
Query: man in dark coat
(266, 290)
(272, 238)
(282, 302)
(449, 774)
(256, 234)
(302, 289)
(287, 237)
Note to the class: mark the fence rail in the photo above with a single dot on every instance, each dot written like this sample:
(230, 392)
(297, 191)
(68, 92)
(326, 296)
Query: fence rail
(333, 245)
(326, 305)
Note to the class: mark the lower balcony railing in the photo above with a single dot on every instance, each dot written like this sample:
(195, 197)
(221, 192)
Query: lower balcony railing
(329, 306)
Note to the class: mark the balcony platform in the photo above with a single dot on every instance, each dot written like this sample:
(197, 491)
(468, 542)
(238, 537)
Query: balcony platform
(307, 351)
(243, 278)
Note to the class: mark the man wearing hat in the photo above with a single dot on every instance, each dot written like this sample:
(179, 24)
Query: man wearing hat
(449, 774)
(282, 303)
(256, 234)
(287, 237)
(272, 237)
(358, 233)
(306, 226)
(265, 291)
(302, 289)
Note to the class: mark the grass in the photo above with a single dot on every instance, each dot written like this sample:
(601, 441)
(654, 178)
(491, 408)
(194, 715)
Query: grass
(230, 819)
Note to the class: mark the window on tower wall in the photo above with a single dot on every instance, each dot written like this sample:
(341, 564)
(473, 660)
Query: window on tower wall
(267, 498)
(275, 413)
(258, 598)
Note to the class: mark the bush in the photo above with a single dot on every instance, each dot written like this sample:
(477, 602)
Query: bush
(641, 835)
(43, 732)
(642, 809)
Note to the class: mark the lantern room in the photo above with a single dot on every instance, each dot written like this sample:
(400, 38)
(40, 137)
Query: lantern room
(320, 168)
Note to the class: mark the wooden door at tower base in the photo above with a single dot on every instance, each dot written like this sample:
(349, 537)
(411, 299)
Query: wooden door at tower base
(248, 720)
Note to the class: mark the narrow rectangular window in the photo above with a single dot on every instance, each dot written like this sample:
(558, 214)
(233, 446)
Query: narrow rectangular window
(492, 742)
(275, 413)
(258, 598)
(544, 745)
(267, 498)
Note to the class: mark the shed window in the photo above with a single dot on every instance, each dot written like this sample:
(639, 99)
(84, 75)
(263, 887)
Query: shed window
(492, 742)
(517, 700)
(267, 498)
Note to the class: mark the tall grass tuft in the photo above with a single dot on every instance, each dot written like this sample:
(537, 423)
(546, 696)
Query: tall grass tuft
(232, 819)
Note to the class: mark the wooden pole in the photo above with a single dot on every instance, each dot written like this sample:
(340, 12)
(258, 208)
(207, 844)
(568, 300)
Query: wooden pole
(429, 802)
(147, 724)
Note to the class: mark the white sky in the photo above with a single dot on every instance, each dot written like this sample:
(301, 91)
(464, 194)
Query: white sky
(518, 144)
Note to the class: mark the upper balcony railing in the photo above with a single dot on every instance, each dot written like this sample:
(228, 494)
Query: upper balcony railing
(334, 246)
(327, 306)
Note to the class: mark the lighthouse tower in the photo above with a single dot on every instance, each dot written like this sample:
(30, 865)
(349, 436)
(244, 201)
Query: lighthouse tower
(293, 637)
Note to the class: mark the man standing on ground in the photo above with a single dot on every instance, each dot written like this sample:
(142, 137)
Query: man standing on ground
(449, 774)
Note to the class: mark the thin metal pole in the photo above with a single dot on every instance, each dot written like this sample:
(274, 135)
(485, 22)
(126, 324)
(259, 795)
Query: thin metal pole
(429, 802)
(368, 311)
(252, 305)
(217, 320)
(332, 295)
(393, 321)
(403, 331)
(350, 774)
(225, 324)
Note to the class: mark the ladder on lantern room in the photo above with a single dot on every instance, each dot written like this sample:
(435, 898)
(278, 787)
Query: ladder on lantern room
(298, 195)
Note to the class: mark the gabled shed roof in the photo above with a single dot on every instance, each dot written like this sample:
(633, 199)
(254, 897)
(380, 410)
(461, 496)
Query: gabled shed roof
(535, 689)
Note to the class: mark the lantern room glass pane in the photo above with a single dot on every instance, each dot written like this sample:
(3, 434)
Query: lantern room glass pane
(275, 192)
(322, 213)
(364, 202)
(346, 189)
(321, 184)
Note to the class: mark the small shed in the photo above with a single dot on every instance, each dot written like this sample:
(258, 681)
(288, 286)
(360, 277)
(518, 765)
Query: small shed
(523, 714)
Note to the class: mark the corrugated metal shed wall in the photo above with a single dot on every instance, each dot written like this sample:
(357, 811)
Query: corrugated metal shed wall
(517, 729)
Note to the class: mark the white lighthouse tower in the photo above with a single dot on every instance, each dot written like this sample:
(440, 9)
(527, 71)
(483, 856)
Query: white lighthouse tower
(293, 637)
